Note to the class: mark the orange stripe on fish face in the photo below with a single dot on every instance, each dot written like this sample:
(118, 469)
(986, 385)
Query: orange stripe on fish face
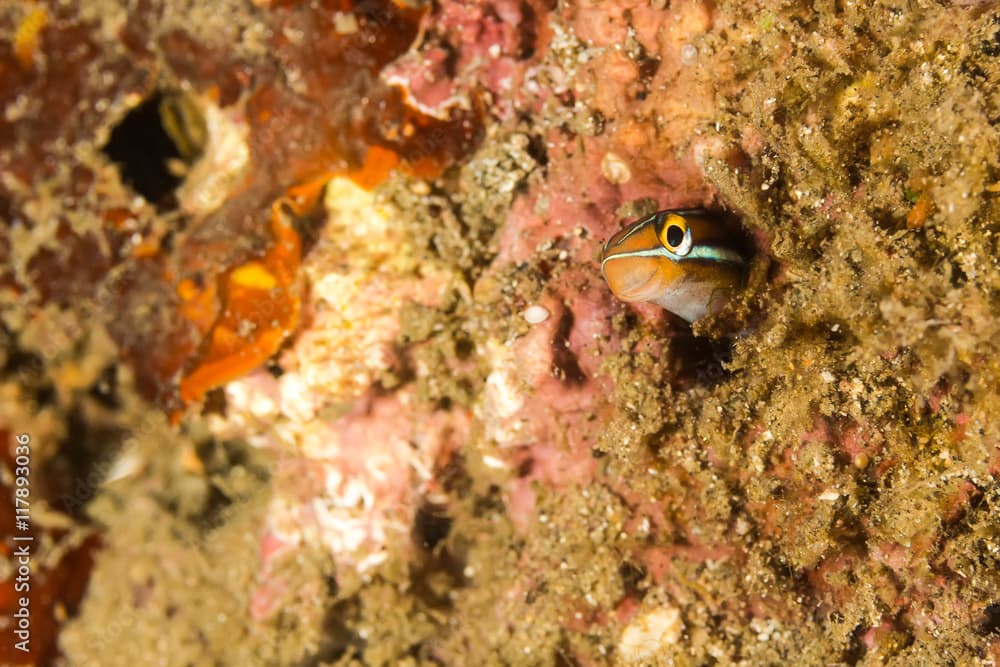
(683, 260)
(629, 274)
(640, 278)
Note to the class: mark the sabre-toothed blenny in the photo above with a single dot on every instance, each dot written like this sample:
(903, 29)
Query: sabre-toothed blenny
(689, 261)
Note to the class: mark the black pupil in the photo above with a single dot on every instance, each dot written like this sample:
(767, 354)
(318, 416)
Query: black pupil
(675, 235)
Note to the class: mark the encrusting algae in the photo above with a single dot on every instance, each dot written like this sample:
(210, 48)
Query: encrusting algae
(412, 422)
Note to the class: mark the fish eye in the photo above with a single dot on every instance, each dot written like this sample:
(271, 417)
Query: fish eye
(676, 235)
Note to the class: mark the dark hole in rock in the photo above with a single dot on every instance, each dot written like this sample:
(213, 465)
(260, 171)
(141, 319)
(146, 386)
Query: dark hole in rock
(855, 650)
(337, 639)
(105, 390)
(565, 365)
(430, 526)
(632, 575)
(215, 403)
(464, 347)
(699, 362)
(74, 476)
(563, 656)
(141, 148)
(525, 467)
(989, 624)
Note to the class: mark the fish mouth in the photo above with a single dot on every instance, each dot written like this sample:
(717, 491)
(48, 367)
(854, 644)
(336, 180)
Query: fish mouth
(631, 278)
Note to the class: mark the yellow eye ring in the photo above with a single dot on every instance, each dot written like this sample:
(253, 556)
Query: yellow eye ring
(675, 235)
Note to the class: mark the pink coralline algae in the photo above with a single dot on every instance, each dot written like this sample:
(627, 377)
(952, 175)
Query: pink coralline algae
(468, 51)
(544, 395)
(542, 388)
(463, 448)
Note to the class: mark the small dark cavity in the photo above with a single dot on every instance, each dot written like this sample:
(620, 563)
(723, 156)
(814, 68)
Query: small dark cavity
(75, 474)
(565, 365)
(648, 68)
(440, 566)
(525, 467)
(310, 224)
(991, 46)
(989, 623)
(848, 529)
(632, 575)
(464, 347)
(215, 403)
(375, 14)
(535, 593)
(140, 147)
(544, 268)
(957, 275)
(780, 116)
(337, 639)
(431, 525)
(698, 361)
(974, 72)
(454, 477)
(491, 502)
(28, 366)
(564, 655)
(856, 649)
(528, 32)
(105, 389)
(536, 149)
(740, 238)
